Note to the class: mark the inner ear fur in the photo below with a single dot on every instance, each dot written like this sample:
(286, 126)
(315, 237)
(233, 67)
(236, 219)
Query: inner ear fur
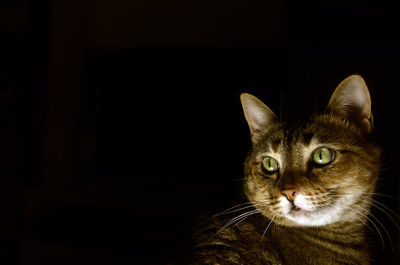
(351, 100)
(258, 116)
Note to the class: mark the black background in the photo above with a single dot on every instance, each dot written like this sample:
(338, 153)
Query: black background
(121, 121)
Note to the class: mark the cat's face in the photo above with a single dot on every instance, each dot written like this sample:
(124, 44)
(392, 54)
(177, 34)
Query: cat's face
(318, 172)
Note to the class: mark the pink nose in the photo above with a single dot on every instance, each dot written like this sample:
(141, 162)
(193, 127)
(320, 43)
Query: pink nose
(291, 194)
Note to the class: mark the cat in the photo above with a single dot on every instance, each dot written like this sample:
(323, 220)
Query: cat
(309, 187)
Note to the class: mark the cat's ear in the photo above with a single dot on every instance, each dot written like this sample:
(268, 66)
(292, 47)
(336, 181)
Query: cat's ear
(258, 115)
(351, 100)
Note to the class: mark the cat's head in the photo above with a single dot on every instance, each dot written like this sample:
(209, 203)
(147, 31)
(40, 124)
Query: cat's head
(316, 172)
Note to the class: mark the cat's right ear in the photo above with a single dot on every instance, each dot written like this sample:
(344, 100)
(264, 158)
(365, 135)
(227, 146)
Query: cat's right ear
(352, 101)
(258, 115)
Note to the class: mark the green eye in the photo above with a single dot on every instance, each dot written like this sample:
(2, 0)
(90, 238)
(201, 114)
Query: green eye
(270, 165)
(323, 156)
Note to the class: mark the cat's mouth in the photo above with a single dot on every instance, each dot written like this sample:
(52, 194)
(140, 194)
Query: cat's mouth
(296, 211)
(295, 208)
(312, 216)
(303, 211)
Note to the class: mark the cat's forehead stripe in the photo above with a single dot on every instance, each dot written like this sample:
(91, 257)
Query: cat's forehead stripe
(275, 144)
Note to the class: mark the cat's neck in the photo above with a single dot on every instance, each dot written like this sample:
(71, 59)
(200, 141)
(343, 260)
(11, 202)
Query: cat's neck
(341, 233)
(344, 240)
(350, 232)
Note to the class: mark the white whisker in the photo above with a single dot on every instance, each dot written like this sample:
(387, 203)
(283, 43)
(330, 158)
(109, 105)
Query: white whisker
(384, 228)
(246, 205)
(234, 207)
(391, 218)
(270, 222)
(236, 219)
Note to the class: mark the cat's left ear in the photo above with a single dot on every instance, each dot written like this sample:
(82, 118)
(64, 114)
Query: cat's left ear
(351, 100)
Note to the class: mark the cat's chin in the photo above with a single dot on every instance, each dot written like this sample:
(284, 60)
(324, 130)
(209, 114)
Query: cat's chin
(304, 217)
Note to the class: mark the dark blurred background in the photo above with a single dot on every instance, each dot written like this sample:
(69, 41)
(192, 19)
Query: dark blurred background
(120, 121)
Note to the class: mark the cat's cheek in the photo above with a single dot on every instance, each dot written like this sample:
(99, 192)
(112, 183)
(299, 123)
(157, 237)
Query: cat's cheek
(250, 186)
(251, 191)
